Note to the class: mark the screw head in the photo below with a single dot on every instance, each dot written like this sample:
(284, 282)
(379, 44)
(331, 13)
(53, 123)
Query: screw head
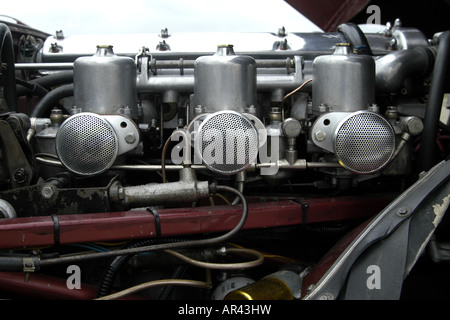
(321, 136)
(402, 212)
(130, 138)
(47, 192)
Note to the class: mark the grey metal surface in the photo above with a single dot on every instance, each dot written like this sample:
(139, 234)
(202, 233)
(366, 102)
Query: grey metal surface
(88, 144)
(105, 83)
(343, 81)
(227, 142)
(420, 208)
(363, 141)
(188, 188)
(394, 68)
(225, 81)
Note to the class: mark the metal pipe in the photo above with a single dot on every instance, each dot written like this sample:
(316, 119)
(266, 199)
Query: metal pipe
(185, 83)
(392, 69)
(45, 66)
(157, 64)
(186, 189)
(300, 164)
(434, 104)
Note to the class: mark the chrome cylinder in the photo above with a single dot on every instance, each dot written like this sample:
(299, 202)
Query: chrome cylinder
(105, 83)
(225, 81)
(343, 81)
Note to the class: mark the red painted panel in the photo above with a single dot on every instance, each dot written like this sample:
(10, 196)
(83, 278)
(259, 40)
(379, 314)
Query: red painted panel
(128, 225)
(328, 14)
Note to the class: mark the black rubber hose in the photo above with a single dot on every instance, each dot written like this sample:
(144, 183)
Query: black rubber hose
(107, 282)
(109, 277)
(47, 82)
(45, 105)
(434, 104)
(34, 89)
(353, 34)
(17, 263)
(11, 264)
(8, 67)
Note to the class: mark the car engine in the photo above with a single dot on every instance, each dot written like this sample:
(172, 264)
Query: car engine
(267, 166)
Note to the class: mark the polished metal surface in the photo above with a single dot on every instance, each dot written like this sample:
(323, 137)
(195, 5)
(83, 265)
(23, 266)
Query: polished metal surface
(105, 83)
(227, 142)
(362, 141)
(225, 81)
(87, 144)
(343, 81)
(394, 68)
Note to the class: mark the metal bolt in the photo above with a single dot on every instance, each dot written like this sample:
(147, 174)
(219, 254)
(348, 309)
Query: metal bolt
(222, 251)
(164, 33)
(47, 192)
(20, 176)
(402, 211)
(326, 296)
(323, 108)
(199, 110)
(281, 32)
(374, 108)
(130, 138)
(250, 109)
(321, 136)
(392, 44)
(120, 193)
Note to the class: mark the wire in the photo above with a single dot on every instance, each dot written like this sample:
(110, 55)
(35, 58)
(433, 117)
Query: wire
(112, 244)
(265, 255)
(91, 246)
(294, 91)
(156, 283)
(223, 198)
(223, 266)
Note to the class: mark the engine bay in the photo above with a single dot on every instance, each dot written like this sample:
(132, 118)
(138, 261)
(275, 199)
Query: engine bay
(244, 167)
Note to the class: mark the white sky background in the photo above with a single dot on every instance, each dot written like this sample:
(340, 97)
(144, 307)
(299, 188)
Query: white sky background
(150, 16)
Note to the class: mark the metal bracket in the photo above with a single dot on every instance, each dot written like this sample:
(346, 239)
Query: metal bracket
(28, 265)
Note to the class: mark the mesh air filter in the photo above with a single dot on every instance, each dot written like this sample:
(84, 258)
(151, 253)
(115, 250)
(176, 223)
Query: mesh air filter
(86, 144)
(227, 142)
(364, 142)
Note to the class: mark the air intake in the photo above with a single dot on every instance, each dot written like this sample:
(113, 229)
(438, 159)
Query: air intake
(88, 144)
(363, 142)
(227, 142)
